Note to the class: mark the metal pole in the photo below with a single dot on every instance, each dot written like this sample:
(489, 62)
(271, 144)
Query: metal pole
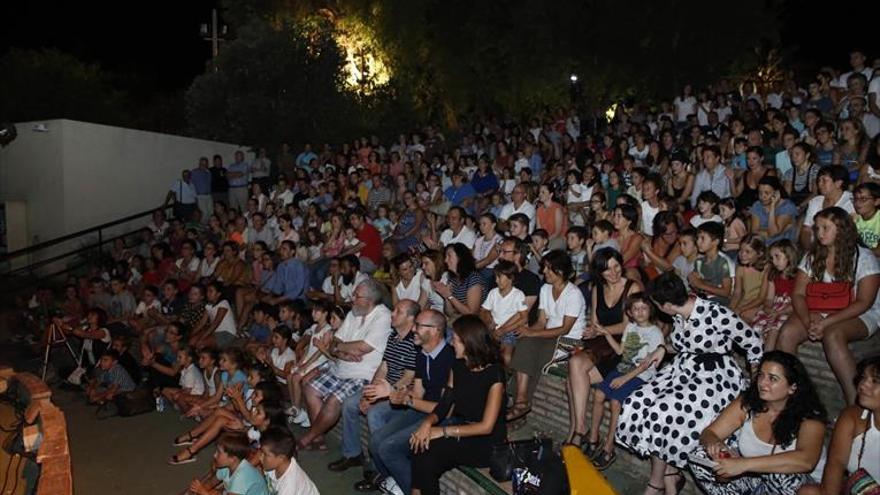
(215, 43)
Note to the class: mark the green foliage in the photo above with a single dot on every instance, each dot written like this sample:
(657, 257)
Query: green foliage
(272, 85)
(48, 84)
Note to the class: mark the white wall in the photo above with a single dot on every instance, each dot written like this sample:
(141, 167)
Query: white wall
(79, 175)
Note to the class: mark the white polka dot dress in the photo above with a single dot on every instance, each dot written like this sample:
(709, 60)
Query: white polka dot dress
(666, 416)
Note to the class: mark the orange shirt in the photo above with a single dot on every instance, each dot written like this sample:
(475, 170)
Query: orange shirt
(546, 218)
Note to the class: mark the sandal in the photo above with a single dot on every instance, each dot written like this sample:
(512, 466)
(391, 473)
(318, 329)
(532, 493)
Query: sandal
(603, 460)
(591, 449)
(175, 460)
(518, 411)
(184, 440)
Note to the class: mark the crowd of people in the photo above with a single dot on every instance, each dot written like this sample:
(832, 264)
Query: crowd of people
(427, 286)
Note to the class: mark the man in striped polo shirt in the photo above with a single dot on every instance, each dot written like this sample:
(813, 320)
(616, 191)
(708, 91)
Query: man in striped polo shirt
(397, 368)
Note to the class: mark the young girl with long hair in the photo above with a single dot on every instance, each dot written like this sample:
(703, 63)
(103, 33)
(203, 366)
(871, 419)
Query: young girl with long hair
(748, 284)
(779, 284)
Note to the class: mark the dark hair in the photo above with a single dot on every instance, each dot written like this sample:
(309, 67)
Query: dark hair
(581, 231)
(637, 297)
(713, 229)
(283, 331)
(668, 288)
(756, 150)
(661, 220)
(271, 390)
(604, 226)
(836, 173)
(111, 353)
(775, 183)
(401, 259)
(871, 188)
(466, 262)
(235, 355)
(711, 198)
(211, 352)
(519, 218)
(506, 268)
(600, 262)
(540, 233)
(235, 444)
(802, 405)
(631, 214)
(868, 365)
(279, 441)
(558, 262)
(654, 179)
(480, 348)
(100, 314)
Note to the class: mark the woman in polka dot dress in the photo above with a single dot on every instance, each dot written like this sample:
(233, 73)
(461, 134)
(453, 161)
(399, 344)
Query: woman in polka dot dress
(665, 417)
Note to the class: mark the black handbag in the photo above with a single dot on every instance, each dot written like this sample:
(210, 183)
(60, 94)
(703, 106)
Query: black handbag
(521, 453)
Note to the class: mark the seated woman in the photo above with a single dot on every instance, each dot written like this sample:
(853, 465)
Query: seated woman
(661, 250)
(773, 215)
(855, 443)
(768, 440)
(837, 256)
(664, 418)
(465, 291)
(475, 397)
(626, 224)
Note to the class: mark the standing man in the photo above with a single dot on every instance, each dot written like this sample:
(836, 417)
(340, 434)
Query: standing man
(201, 180)
(259, 169)
(183, 195)
(219, 182)
(237, 174)
(358, 347)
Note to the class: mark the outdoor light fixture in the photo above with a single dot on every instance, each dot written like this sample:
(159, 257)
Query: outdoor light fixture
(573, 78)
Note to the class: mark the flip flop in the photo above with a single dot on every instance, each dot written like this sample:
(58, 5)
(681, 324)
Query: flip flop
(183, 443)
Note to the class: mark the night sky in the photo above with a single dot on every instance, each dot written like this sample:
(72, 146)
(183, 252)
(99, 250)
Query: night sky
(156, 46)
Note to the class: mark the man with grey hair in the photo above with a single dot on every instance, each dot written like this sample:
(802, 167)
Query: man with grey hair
(393, 422)
(357, 348)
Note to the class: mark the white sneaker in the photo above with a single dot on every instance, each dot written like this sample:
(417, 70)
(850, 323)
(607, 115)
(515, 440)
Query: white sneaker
(390, 487)
(302, 419)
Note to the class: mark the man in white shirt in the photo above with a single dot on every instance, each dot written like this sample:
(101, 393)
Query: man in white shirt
(350, 277)
(650, 202)
(357, 347)
(857, 62)
(858, 110)
(831, 182)
(183, 194)
(457, 231)
(518, 204)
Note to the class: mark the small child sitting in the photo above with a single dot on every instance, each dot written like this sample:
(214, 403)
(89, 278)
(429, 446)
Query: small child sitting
(714, 271)
(602, 231)
(505, 309)
(684, 263)
(191, 382)
(111, 379)
(640, 338)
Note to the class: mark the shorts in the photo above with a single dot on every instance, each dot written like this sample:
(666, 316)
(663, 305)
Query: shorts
(871, 319)
(619, 394)
(327, 384)
(508, 338)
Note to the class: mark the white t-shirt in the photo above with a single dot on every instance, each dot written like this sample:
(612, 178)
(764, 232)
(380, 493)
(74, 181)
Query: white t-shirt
(526, 208)
(346, 292)
(412, 291)
(228, 323)
(698, 220)
(206, 268)
(570, 303)
(465, 236)
(503, 308)
(867, 265)
(193, 265)
(648, 214)
(435, 300)
(142, 307)
(280, 360)
(684, 107)
(578, 193)
(327, 286)
(815, 206)
(374, 329)
(294, 481)
(191, 378)
(842, 80)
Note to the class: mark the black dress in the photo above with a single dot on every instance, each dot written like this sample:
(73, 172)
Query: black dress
(601, 353)
(468, 396)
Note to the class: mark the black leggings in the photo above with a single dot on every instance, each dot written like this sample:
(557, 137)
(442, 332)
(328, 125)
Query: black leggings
(445, 454)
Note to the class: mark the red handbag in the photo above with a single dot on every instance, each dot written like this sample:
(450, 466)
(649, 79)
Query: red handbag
(828, 297)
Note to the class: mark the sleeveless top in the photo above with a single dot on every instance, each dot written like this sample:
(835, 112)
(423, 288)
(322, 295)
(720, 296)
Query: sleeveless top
(610, 315)
(210, 386)
(870, 440)
(749, 195)
(751, 284)
(752, 446)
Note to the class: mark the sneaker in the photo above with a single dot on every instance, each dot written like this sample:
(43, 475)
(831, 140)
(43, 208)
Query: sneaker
(302, 419)
(390, 487)
(345, 463)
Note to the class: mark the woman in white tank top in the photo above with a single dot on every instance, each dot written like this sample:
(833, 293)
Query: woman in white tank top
(855, 443)
(769, 440)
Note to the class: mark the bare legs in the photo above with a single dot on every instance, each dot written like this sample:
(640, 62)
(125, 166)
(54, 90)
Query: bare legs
(322, 414)
(582, 373)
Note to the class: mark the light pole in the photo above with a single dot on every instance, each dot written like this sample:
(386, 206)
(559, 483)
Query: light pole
(215, 36)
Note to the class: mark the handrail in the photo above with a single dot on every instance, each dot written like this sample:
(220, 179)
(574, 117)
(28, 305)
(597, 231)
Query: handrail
(59, 240)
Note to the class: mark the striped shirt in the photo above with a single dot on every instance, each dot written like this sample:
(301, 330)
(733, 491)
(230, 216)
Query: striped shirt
(460, 288)
(117, 375)
(400, 356)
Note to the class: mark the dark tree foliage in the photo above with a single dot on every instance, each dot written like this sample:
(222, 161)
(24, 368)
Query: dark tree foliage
(272, 84)
(48, 84)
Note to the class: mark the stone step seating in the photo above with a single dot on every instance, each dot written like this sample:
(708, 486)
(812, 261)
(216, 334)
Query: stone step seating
(549, 417)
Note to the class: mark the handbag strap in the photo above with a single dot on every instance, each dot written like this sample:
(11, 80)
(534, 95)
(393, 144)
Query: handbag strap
(864, 439)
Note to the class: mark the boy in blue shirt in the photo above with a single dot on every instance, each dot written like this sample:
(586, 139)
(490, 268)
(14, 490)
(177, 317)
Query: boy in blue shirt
(234, 472)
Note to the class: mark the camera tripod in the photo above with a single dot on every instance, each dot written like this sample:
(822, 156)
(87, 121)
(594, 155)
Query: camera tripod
(54, 336)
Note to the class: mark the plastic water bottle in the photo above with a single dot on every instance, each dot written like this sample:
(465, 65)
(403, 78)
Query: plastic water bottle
(160, 404)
